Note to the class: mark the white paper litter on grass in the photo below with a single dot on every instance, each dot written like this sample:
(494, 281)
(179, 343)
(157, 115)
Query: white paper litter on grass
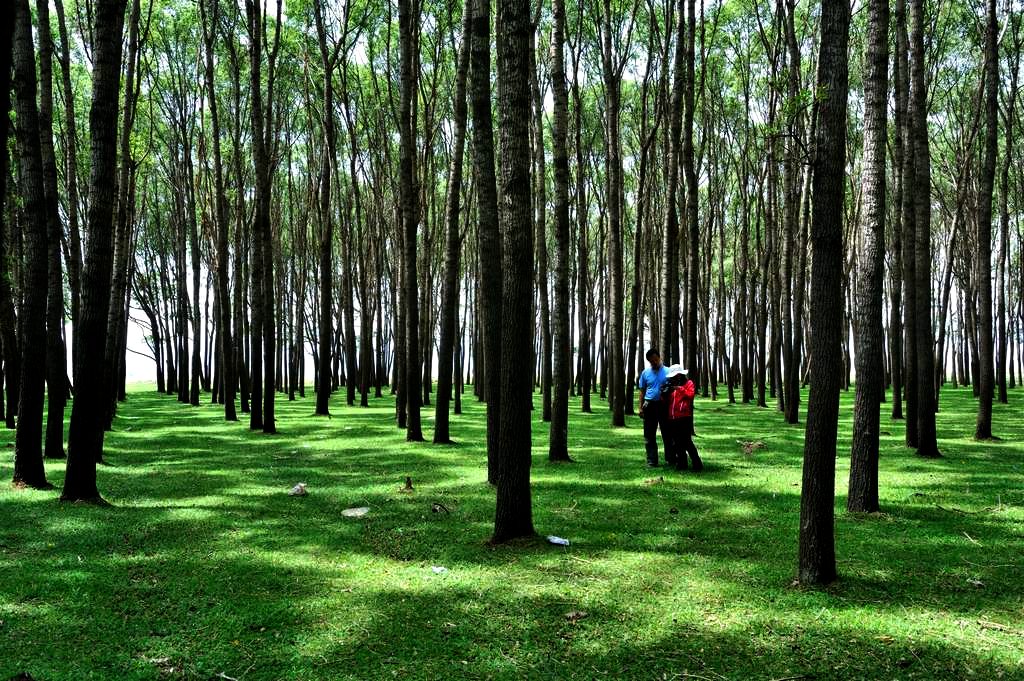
(558, 540)
(299, 490)
(357, 512)
(438, 569)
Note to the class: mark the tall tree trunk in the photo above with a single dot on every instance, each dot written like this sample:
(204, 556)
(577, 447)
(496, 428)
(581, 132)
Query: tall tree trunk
(670, 244)
(197, 333)
(238, 281)
(85, 440)
(1006, 341)
(70, 170)
(265, 152)
(326, 269)
(541, 242)
(558, 443)
(513, 515)
(791, 223)
(690, 174)
(116, 320)
(488, 234)
(227, 352)
(817, 561)
(611, 69)
(926, 445)
(453, 242)
(870, 337)
(28, 441)
(583, 287)
(896, 248)
(983, 263)
(408, 14)
(56, 361)
(908, 220)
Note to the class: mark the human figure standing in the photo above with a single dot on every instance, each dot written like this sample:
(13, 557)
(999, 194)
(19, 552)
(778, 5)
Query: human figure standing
(653, 410)
(679, 392)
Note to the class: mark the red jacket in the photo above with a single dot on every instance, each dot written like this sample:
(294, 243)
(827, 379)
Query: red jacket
(680, 401)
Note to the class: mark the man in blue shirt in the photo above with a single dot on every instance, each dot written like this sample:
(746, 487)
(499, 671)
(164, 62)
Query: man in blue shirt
(652, 407)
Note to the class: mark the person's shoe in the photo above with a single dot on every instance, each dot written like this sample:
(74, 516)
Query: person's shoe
(652, 464)
(698, 465)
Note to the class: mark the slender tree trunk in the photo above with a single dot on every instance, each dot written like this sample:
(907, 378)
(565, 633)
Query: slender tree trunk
(791, 224)
(896, 248)
(927, 445)
(453, 242)
(1005, 348)
(870, 339)
(408, 15)
(28, 442)
(56, 361)
(227, 352)
(670, 244)
(558, 445)
(908, 183)
(583, 287)
(326, 269)
(541, 245)
(70, 170)
(488, 234)
(123, 220)
(690, 174)
(983, 427)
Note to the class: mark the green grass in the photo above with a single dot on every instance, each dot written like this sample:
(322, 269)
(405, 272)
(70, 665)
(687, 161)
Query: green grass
(205, 566)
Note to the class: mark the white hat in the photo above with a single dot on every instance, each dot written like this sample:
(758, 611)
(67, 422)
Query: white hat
(675, 370)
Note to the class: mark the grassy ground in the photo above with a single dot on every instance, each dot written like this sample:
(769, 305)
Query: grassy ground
(205, 568)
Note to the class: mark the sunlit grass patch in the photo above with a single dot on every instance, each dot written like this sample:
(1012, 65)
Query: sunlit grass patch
(204, 565)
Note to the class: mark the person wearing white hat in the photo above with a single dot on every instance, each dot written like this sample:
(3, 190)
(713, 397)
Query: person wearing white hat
(679, 392)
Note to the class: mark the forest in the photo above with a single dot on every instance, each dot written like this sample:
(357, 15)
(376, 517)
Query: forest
(417, 261)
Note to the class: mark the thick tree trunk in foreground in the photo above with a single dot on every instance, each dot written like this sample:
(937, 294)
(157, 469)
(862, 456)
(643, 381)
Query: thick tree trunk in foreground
(513, 515)
(28, 442)
(817, 561)
(85, 440)
(870, 337)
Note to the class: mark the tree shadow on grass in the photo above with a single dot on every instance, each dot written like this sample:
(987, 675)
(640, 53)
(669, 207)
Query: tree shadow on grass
(206, 561)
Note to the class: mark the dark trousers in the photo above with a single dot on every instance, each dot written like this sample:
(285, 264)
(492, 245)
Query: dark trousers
(681, 436)
(655, 417)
